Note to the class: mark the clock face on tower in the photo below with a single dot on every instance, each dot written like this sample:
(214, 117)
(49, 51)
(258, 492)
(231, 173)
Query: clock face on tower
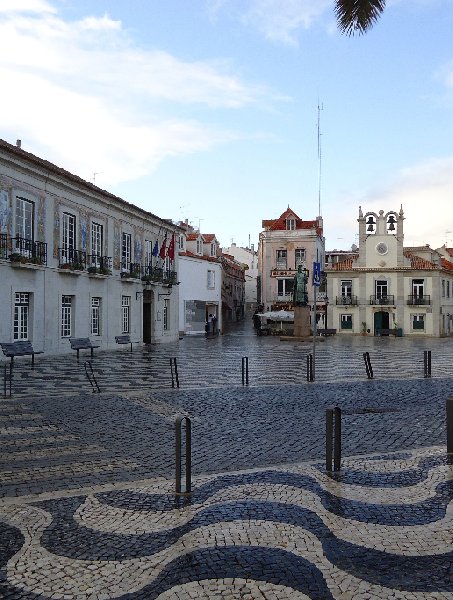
(382, 248)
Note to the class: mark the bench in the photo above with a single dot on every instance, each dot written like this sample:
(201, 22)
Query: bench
(82, 344)
(124, 339)
(20, 348)
(327, 332)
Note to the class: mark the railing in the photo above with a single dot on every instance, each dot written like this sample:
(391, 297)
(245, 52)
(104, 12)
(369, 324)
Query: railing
(70, 258)
(25, 250)
(150, 273)
(170, 277)
(418, 299)
(346, 300)
(381, 299)
(101, 265)
(131, 270)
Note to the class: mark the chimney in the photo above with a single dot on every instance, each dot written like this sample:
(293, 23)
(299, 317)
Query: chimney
(18, 143)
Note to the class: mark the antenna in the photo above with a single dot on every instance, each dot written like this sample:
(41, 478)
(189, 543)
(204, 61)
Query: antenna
(320, 108)
(94, 176)
(446, 236)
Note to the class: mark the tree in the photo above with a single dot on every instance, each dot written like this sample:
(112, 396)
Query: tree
(357, 16)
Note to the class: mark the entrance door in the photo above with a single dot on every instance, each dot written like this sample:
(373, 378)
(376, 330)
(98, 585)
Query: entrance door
(381, 321)
(147, 320)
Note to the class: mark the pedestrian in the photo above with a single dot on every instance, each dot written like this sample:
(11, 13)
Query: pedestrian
(214, 324)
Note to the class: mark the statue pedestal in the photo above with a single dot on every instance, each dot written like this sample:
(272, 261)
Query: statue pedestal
(302, 327)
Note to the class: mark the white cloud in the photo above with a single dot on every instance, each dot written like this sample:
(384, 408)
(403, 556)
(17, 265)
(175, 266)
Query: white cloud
(32, 6)
(424, 190)
(84, 96)
(277, 20)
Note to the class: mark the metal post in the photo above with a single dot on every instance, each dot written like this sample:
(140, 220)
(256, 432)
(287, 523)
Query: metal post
(333, 438)
(337, 440)
(368, 367)
(245, 370)
(427, 363)
(91, 378)
(310, 375)
(174, 374)
(449, 425)
(329, 438)
(7, 378)
(314, 333)
(178, 455)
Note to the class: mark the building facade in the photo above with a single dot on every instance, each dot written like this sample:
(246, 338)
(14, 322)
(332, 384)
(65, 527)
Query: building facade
(248, 257)
(387, 287)
(77, 261)
(285, 244)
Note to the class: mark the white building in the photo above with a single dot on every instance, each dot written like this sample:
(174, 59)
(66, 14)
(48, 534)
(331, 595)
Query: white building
(390, 288)
(249, 258)
(77, 261)
(286, 243)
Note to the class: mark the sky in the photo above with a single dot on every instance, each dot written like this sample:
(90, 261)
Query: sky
(208, 110)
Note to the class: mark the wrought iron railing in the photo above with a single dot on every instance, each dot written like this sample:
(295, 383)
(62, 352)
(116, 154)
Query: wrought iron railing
(4, 246)
(25, 250)
(418, 299)
(130, 270)
(346, 300)
(100, 265)
(70, 258)
(170, 277)
(381, 299)
(153, 274)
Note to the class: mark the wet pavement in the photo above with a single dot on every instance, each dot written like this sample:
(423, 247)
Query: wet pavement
(87, 504)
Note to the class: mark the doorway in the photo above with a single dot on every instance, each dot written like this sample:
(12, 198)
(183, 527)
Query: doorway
(147, 317)
(381, 321)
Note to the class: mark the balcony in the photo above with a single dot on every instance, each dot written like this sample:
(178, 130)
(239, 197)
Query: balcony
(130, 270)
(380, 299)
(346, 300)
(99, 265)
(71, 260)
(4, 245)
(169, 277)
(419, 300)
(24, 252)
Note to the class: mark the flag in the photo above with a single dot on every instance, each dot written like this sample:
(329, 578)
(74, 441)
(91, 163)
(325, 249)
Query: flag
(163, 248)
(171, 249)
(155, 251)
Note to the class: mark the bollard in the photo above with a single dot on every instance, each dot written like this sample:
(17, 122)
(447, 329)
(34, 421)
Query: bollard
(91, 378)
(8, 378)
(333, 439)
(310, 375)
(449, 425)
(427, 363)
(245, 370)
(174, 376)
(179, 491)
(368, 367)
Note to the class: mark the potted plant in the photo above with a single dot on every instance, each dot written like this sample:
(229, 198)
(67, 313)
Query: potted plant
(92, 270)
(105, 271)
(78, 266)
(364, 328)
(17, 257)
(36, 260)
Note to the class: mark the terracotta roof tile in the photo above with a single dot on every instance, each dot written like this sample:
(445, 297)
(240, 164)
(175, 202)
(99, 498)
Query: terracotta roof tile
(446, 264)
(419, 263)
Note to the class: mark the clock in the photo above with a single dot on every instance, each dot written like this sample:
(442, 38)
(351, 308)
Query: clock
(382, 248)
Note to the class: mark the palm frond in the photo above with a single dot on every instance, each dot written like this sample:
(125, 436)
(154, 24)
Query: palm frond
(357, 16)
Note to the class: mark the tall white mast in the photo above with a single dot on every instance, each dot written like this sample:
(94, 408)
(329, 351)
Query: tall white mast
(320, 108)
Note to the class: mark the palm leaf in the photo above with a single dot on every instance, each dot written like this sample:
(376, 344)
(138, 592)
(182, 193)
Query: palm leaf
(357, 16)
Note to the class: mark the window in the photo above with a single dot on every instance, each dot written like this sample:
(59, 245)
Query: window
(346, 321)
(418, 322)
(148, 252)
(96, 239)
(443, 288)
(181, 242)
(381, 289)
(21, 316)
(281, 259)
(448, 289)
(211, 279)
(126, 251)
(346, 288)
(125, 314)
(68, 234)
(300, 257)
(24, 218)
(290, 224)
(199, 247)
(96, 316)
(166, 314)
(66, 316)
(418, 287)
(213, 249)
(285, 287)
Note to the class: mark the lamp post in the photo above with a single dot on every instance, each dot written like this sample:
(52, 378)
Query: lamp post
(326, 300)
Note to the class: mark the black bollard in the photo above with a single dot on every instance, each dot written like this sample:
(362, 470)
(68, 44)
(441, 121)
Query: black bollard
(180, 490)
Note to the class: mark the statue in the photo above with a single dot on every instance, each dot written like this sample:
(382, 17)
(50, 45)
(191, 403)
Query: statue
(300, 294)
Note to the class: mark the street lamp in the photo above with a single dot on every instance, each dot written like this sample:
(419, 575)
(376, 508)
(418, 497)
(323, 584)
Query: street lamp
(326, 300)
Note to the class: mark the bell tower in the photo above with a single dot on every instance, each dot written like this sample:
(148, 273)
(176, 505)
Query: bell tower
(381, 239)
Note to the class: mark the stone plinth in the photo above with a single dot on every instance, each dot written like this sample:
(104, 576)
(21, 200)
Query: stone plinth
(302, 321)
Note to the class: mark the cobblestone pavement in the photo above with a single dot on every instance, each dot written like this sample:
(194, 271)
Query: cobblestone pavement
(87, 508)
